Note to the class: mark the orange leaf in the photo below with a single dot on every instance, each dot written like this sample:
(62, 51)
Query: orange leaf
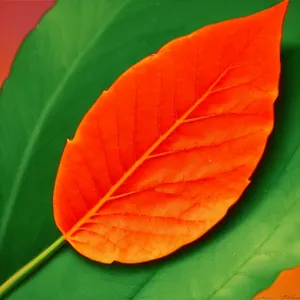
(163, 154)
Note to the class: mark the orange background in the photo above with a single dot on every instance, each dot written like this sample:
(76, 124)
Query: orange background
(17, 18)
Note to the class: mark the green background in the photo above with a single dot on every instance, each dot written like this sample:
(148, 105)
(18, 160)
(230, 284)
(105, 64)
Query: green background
(78, 49)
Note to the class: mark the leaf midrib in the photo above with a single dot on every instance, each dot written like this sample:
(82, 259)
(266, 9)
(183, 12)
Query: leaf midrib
(145, 156)
(39, 125)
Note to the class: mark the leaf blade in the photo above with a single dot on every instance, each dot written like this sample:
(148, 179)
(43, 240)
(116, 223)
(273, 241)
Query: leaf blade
(142, 95)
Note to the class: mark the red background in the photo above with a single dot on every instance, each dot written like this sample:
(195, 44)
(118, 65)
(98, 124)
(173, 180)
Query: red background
(17, 18)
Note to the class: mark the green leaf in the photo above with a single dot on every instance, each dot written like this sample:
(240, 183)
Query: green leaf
(79, 49)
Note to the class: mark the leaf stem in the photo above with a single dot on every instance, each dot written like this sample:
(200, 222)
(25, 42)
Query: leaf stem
(30, 267)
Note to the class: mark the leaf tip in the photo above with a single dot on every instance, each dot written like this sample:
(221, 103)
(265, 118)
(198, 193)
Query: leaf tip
(283, 4)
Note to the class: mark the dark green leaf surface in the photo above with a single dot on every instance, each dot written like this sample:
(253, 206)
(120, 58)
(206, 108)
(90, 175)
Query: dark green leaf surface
(79, 49)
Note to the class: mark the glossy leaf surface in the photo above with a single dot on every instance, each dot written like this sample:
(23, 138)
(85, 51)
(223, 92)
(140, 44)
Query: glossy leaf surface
(243, 255)
(164, 153)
